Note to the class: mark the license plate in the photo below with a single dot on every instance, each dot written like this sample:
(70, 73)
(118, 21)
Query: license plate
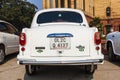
(60, 43)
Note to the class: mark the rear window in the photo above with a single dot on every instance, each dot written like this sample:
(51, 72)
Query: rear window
(59, 16)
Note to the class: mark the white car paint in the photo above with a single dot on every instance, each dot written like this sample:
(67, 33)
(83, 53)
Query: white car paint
(37, 49)
(8, 38)
(114, 39)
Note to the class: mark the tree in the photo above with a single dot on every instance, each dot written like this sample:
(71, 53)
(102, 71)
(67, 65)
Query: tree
(97, 23)
(17, 12)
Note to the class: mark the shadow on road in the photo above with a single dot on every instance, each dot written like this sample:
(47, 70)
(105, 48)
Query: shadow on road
(60, 73)
(117, 62)
(9, 57)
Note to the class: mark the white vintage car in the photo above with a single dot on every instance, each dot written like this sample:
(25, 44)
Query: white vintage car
(113, 45)
(9, 41)
(60, 37)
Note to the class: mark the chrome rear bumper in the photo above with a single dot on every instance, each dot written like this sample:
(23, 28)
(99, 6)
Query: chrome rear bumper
(69, 62)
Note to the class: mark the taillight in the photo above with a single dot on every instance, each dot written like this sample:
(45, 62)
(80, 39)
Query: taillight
(22, 39)
(97, 38)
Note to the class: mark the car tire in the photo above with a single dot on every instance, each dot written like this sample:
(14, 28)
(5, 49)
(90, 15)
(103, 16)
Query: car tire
(30, 69)
(89, 70)
(2, 54)
(111, 55)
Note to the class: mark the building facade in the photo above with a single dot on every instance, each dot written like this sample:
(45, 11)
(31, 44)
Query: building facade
(92, 8)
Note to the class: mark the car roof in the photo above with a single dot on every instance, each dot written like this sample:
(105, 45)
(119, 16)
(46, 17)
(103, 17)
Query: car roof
(4, 21)
(59, 9)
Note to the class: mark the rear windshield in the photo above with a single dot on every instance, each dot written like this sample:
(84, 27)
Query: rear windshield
(59, 16)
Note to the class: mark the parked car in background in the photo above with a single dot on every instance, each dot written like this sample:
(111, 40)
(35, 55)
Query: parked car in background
(9, 40)
(60, 37)
(113, 45)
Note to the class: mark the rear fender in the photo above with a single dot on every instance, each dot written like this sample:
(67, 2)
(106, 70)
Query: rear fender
(110, 42)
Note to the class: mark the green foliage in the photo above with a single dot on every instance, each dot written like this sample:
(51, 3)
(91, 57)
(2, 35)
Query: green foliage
(17, 12)
(97, 23)
(103, 37)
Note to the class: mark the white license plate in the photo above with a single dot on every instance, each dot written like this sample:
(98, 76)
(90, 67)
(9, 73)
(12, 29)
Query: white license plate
(60, 43)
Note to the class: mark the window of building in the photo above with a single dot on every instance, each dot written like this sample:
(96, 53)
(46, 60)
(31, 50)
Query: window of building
(75, 4)
(56, 3)
(62, 4)
(69, 3)
(84, 5)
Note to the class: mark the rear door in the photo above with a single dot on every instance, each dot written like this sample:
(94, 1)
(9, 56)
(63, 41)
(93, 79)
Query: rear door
(9, 37)
(12, 39)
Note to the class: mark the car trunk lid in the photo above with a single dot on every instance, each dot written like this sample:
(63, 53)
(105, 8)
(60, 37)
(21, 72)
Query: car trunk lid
(60, 40)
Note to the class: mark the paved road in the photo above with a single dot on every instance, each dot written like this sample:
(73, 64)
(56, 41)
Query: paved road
(12, 71)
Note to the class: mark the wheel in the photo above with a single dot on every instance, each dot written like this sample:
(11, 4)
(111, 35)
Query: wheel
(111, 55)
(89, 70)
(30, 69)
(2, 54)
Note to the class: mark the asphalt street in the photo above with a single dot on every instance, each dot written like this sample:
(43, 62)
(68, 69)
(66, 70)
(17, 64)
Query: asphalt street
(10, 70)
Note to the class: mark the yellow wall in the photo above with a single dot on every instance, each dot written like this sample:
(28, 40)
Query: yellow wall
(115, 5)
(93, 8)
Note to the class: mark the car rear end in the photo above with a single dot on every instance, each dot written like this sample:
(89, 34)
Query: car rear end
(60, 43)
(74, 46)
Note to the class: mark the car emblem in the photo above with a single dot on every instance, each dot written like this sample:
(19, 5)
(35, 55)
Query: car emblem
(39, 49)
(81, 48)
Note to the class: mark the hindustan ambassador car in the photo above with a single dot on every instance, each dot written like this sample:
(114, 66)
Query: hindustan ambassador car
(60, 37)
(9, 40)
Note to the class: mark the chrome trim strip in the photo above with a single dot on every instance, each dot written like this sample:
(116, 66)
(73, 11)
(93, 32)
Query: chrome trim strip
(60, 35)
